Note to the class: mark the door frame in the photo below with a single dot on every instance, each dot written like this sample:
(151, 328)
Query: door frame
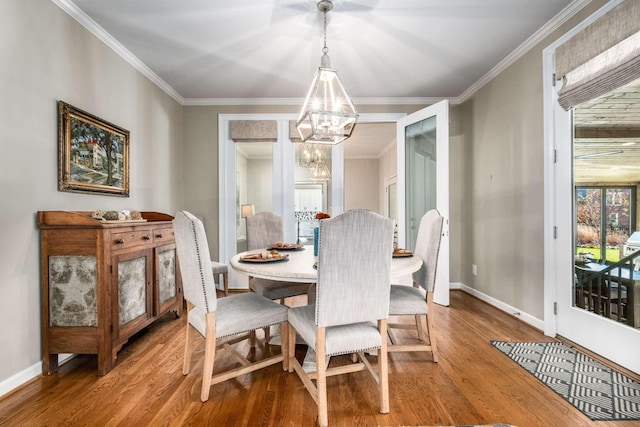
(283, 182)
(441, 111)
(607, 338)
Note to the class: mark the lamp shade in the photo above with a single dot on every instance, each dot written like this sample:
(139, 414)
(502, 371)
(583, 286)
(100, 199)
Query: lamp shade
(328, 115)
(247, 210)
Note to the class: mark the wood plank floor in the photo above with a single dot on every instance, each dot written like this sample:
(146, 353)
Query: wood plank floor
(473, 383)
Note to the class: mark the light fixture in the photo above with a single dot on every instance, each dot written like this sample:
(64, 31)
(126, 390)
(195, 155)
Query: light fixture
(328, 115)
(247, 211)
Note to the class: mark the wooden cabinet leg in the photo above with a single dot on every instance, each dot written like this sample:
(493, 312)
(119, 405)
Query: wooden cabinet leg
(49, 364)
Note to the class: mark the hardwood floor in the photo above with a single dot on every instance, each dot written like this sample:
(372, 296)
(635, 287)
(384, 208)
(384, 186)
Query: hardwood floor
(473, 383)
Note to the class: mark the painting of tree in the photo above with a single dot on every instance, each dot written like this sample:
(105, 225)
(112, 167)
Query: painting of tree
(94, 154)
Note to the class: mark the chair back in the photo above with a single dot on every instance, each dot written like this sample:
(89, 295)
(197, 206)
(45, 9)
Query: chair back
(263, 229)
(428, 249)
(195, 263)
(354, 268)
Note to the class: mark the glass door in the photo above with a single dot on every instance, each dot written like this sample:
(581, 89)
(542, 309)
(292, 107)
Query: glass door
(423, 181)
(595, 214)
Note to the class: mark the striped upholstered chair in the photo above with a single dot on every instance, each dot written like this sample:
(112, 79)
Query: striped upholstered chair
(417, 300)
(222, 322)
(351, 304)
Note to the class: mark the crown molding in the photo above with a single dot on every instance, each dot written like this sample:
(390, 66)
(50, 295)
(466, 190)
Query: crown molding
(92, 26)
(300, 101)
(563, 16)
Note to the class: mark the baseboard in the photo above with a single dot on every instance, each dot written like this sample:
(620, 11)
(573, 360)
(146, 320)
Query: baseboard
(525, 317)
(26, 375)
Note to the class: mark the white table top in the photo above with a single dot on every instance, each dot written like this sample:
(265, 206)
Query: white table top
(299, 267)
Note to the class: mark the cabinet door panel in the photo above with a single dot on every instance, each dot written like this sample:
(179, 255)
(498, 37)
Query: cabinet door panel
(133, 299)
(167, 278)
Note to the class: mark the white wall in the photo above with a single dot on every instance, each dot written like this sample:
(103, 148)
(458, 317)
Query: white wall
(388, 165)
(260, 184)
(361, 184)
(46, 56)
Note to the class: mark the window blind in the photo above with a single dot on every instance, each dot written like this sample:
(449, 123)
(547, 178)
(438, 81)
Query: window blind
(254, 131)
(602, 57)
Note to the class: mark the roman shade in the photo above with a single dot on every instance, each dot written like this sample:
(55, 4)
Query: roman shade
(254, 131)
(602, 57)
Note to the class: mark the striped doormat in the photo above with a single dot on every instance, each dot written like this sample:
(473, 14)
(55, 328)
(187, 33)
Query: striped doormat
(596, 390)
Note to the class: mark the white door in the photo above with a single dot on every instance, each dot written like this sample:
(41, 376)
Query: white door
(604, 336)
(423, 181)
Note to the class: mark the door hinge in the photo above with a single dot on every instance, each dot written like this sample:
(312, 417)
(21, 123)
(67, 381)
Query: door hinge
(111, 328)
(555, 232)
(555, 156)
(553, 79)
(555, 308)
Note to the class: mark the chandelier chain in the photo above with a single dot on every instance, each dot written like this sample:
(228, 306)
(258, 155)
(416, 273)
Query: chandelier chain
(325, 49)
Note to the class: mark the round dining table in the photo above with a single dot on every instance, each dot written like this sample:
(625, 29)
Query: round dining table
(298, 266)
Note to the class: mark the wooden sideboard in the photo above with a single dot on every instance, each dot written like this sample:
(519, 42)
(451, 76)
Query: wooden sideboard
(102, 282)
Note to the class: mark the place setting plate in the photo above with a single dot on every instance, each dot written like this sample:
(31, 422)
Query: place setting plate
(402, 253)
(265, 257)
(281, 246)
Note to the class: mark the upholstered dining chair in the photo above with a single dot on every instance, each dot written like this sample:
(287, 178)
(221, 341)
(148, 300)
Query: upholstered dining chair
(264, 229)
(417, 300)
(225, 321)
(351, 304)
(220, 269)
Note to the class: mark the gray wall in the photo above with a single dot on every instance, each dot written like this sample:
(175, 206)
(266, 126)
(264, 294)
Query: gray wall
(46, 56)
(502, 181)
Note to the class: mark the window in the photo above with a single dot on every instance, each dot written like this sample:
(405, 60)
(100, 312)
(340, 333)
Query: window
(605, 218)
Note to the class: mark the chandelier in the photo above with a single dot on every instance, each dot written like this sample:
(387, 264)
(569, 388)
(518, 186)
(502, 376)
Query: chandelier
(328, 115)
(313, 156)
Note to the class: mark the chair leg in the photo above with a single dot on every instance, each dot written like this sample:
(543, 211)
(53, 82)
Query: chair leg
(188, 345)
(383, 367)
(422, 333)
(431, 326)
(291, 340)
(209, 356)
(284, 345)
(321, 369)
(225, 279)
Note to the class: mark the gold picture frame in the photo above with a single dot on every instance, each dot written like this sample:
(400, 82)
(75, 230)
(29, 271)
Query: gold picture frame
(93, 154)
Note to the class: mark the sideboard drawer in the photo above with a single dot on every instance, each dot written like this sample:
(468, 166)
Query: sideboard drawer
(130, 239)
(163, 235)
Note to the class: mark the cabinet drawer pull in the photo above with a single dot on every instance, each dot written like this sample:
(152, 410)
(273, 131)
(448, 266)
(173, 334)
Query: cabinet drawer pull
(159, 236)
(120, 241)
(146, 237)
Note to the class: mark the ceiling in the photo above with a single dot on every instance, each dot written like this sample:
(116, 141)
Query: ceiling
(270, 49)
(266, 51)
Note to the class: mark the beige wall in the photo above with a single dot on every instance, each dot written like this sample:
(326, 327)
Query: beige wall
(201, 155)
(496, 162)
(361, 184)
(46, 56)
(502, 182)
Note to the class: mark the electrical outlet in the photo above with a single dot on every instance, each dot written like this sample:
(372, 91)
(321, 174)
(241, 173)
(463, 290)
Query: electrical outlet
(474, 269)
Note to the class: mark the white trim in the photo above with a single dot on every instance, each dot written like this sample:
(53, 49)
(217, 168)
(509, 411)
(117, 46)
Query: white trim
(525, 317)
(525, 47)
(26, 375)
(92, 26)
(300, 101)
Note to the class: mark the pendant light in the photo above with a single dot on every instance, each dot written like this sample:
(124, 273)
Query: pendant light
(328, 115)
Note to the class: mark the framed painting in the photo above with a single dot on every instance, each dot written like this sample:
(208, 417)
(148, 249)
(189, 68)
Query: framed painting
(93, 154)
